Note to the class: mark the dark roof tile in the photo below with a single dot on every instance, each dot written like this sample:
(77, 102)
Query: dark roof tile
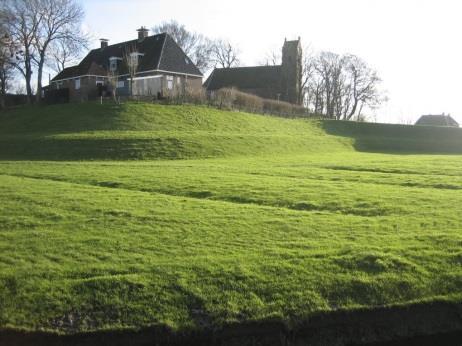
(437, 120)
(174, 59)
(68, 72)
(244, 77)
(159, 52)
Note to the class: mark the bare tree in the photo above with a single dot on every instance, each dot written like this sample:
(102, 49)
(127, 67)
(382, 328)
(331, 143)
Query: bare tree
(196, 46)
(272, 58)
(340, 87)
(6, 75)
(329, 68)
(225, 55)
(61, 23)
(308, 70)
(315, 94)
(131, 59)
(22, 23)
(362, 87)
(112, 80)
(37, 24)
(6, 56)
(63, 53)
(19, 89)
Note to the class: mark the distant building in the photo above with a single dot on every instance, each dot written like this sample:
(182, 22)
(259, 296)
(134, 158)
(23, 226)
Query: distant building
(279, 82)
(437, 120)
(162, 67)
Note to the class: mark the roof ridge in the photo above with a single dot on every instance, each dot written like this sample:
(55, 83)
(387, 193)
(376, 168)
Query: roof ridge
(158, 55)
(125, 42)
(209, 79)
(243, 67)
(162, 49)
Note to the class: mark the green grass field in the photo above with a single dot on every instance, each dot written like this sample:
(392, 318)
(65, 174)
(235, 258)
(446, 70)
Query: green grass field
(263, 219)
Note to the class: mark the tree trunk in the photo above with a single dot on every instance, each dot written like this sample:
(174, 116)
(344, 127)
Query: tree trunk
(28, 77)
(38, 95)
(353, 110)
(3, 92)
(29, 95)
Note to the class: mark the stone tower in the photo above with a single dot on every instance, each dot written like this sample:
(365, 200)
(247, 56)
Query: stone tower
(291, 71)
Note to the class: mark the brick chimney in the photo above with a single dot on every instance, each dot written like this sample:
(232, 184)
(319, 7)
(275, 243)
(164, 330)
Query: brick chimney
(142, 33)
(104, 42)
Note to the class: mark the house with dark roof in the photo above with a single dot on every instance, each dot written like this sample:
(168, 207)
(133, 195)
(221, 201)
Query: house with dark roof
(437, 120)
(279, 82)
(162, 68)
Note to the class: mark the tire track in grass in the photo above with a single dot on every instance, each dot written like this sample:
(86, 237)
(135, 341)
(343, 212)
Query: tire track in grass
(301, 206)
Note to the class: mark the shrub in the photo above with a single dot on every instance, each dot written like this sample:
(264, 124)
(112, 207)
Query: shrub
(196, 96)
(233, 99)
(248, 102)
(223, 98)
(284, 108)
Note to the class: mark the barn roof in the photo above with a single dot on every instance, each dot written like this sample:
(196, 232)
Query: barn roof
(437, 120)
(160, 52)
(244, 77)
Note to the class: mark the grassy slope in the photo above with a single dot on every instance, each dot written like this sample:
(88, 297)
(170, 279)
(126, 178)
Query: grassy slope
(143, 131)
(398, 138)
(94, 245)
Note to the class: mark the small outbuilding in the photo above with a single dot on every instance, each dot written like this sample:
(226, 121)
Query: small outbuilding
(437, 120)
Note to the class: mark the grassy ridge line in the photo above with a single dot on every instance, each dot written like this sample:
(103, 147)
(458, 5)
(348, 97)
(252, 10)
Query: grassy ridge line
(398, 138)
(145, 131)
(174, 146)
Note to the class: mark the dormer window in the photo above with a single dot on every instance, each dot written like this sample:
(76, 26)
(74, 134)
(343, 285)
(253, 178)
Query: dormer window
(135, 58)
(113, 63)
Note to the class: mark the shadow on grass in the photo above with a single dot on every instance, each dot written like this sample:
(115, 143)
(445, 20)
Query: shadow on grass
(34, 148)
(425, 323)
(399, 139)
(67, 118)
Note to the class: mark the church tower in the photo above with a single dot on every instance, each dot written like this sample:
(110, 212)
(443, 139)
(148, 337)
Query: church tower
(291, 71)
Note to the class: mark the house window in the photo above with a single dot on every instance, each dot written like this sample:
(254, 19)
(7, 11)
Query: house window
(170, 82)
(134, 58)
(120, 84)
(178, 80)
(113, 63)
(77, 84)
(59, 85)
(99, 81)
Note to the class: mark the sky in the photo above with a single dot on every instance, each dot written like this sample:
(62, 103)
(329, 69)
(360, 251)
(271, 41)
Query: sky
(415, 45)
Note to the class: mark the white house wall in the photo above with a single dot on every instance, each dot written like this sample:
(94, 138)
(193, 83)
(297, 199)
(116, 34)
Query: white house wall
(147, 86)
